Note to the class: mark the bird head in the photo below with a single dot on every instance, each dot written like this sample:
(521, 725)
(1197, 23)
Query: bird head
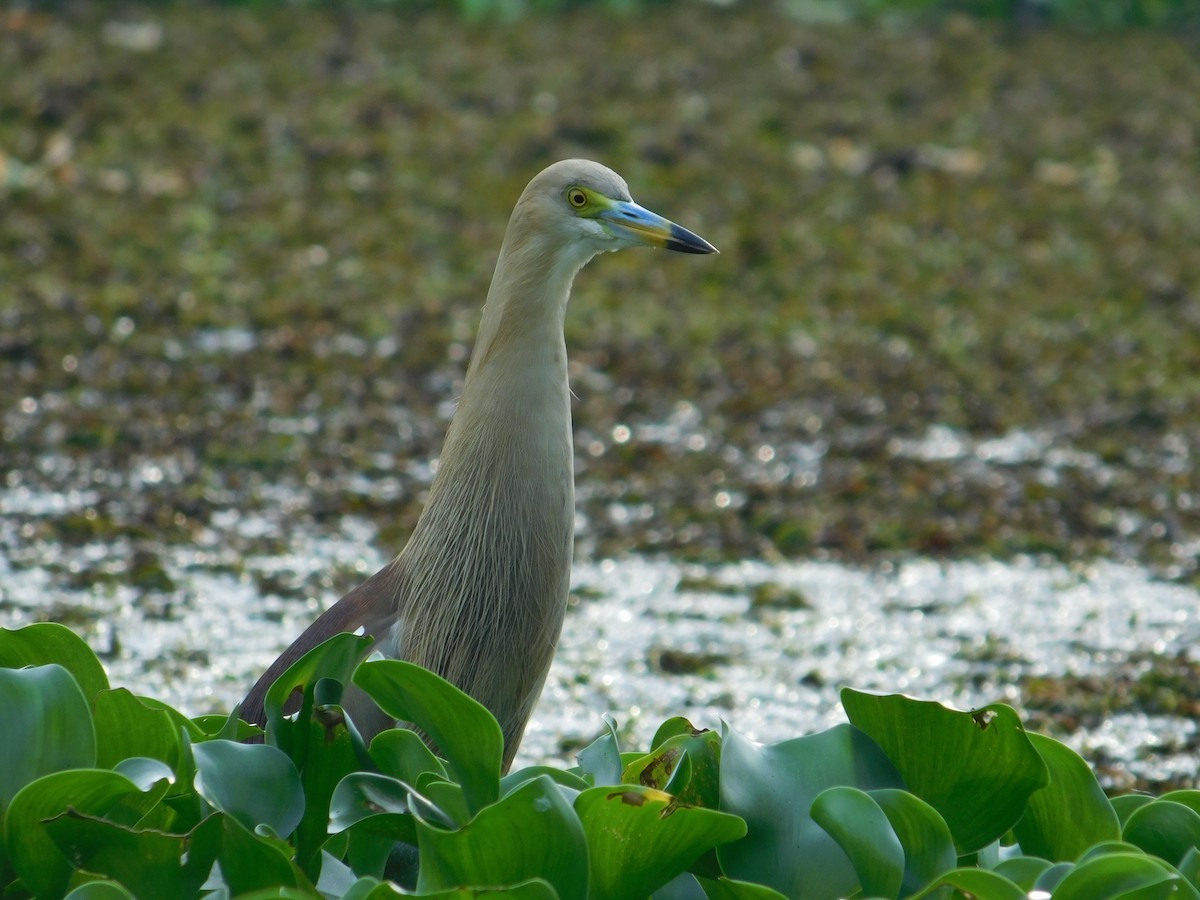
(583, 203)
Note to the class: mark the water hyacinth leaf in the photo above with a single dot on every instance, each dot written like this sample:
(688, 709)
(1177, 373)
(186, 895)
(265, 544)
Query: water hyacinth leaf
(446, 796)
(772, 788)
(249, 864)
(1023, 870)
(978, 769)
(1050, 878)
(1109, 847)
(534, 889)
(601, 759)
(334, 658)
(364, 795)
(401, 753)
(255, 783)
(287, 893)
(332, 752)
(1069, 814)
(48, 724)
(532, 833)
(125, 727)
(336, 878)
(924, 835)
(676, 726)
(46, 643)
(696, 785)
(195, 733)
(373, 810)
(38, 861)
(640, 838)
(1189, 867)
(1114, 875)
(1125, 804)
(462, 728)
(1164, 828)
(683, 886)
(229, 727)
(149, 863)
(979, 884)
(1189, 798)
(144, 772)
(728, 889)
(564, 779)
(855, 821)
(100, 890)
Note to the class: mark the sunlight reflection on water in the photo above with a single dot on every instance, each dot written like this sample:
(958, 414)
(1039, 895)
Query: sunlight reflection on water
(959, 632)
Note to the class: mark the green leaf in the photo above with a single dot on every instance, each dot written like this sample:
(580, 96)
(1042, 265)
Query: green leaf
(601, 759)
(335, 658)
(48, 726)
(1071, 813)
(1105, 848)
(773, 788)
(533, 889)
(676, 726)
(561, 777)
(924, 835)
(145, 772)
(402, 754)
(229, 727)
(531, 833)
(100, 890)
(331, 752)
(1164, 828)
(1117, 875)
(1125, 804)
(640, 838)
(182, 723)
(1189, 798)
(979, 884)
(125, 727)
(48, 643)
(466, 733)
(373, 810)
(1023, 870)
(728, 889)
(700, 751)
(149, 863)
(1050, 878)
(368, 795)
(978, 769)
(855, 821)
(1189, 866)
(255, 783)
(249, 863)
(36, 858)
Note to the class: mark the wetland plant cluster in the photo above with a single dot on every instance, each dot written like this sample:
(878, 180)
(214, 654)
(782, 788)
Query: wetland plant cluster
(108, 795)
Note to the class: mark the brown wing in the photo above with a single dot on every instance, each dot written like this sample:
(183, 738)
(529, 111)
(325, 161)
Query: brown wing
(371, 606)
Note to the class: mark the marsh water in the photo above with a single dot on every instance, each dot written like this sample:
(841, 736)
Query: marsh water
(759, 646)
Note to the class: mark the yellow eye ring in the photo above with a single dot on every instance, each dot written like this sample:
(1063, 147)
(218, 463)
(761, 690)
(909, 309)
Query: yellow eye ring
(577, 198)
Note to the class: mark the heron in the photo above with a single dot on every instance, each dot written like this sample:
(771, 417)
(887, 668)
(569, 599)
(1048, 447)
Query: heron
(479, 592)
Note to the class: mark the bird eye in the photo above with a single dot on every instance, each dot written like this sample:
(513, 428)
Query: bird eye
(577, 198)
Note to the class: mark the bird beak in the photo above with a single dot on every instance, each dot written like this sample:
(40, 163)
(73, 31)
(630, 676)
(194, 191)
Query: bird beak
(628, 221)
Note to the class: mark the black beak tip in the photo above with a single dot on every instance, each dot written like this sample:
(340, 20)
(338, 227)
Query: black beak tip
(684, 241)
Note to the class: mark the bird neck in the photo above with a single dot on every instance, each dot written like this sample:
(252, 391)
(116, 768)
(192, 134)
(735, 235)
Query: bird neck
(527, 301)
(513, 421)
